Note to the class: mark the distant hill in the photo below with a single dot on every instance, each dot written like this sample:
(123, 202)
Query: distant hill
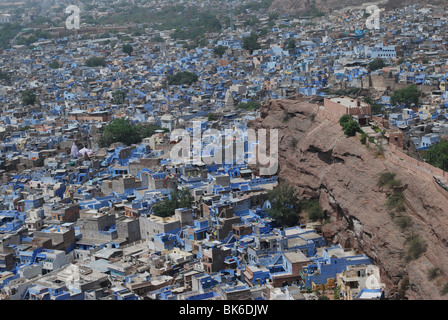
(312, 7)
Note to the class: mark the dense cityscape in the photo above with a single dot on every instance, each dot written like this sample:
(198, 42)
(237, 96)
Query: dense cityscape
(129, 170)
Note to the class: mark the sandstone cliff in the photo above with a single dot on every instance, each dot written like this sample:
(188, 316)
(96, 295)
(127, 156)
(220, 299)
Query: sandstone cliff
(320, 161)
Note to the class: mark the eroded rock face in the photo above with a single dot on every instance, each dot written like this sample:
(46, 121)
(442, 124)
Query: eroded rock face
(320, 161)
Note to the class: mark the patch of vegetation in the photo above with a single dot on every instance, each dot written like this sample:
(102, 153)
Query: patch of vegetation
(35, 36)
(118, 96)
(416, 246)
(437, 155)
(349, 125)
(290, 44)
(336, 293)
(28, 97)
(157, 38)
(54, 65)
(344, 119)
(395, 203)
(293, 143)
(7, 33)
(351, 128)
(433, 273)
(407, 96)
(363, 138)
(177, 199)
(122, 130)
(250, 105)
(183, 77)
(127, 48)
(189, 22)
(26, 128)
(312, 207)
(254, 6)
(285, 207)
(376, 64)
(251, 42)
(387, 179)
(119, 130)
(315, 13)
(219, 50)
(375, 107)
(211, 117)
(5, 76)
(404, 222)
(93, 62)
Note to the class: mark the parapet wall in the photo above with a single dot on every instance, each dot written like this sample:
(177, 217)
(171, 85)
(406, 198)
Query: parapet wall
(414, 164)
(396, 155)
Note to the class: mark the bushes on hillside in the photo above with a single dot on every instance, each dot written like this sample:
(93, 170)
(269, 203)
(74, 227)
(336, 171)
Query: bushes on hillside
(349, 125)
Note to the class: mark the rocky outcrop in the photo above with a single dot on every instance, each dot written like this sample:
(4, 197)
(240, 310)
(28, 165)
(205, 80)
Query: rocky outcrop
(321, 162)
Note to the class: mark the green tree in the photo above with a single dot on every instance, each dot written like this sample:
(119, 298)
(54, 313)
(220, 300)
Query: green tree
(28, 97)
(252, 21)
(251, 42)
(264, 31)
(157, 38)
(148, 130)
(127, 48)
(344, 119)
(184, 77)
(285, 207)
(177, 199)
(437, 155)
(290, 44)
(351, 128)
(250, 105)
(95, 62)
(211, 117)
(5, 76)
(8, 32)
(409, 95)
(375, 107)
(118, 96)
(54, 65)
(220, 50)
(376, 64)
(120, 130)
(349, 125)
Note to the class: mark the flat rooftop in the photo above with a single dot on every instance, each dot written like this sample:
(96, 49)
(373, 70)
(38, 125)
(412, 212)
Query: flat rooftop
(348, 102)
